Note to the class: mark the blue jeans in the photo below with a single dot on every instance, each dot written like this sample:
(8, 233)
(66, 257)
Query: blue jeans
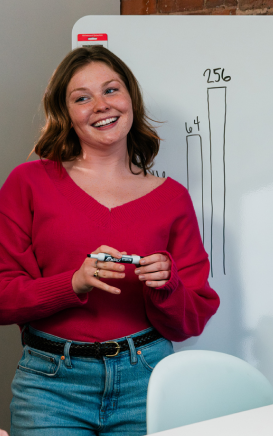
(76, 396)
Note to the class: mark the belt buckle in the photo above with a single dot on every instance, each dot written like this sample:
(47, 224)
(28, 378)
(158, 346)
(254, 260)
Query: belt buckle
(118, 348)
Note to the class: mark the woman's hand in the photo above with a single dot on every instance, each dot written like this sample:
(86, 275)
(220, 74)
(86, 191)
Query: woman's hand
(157, 270)
(84, 280)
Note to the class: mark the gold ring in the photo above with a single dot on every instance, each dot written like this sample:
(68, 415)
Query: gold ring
(96, 274)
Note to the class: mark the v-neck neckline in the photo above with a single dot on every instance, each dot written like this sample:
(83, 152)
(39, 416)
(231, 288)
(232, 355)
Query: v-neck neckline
(140, 207)
(81, 191)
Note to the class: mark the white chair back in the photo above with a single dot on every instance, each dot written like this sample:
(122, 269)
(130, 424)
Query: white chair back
(193, 386)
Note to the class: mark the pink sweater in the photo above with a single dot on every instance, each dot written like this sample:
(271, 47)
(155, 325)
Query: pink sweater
(48, 225)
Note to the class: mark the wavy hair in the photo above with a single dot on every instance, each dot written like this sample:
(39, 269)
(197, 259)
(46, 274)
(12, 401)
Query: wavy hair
(58, 140)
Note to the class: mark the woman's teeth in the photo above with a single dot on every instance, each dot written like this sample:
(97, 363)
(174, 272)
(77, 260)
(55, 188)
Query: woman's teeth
(105, 122)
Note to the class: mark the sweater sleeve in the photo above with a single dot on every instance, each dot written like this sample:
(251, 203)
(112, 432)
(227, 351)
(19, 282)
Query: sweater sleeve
(181, 308)
(25, 295)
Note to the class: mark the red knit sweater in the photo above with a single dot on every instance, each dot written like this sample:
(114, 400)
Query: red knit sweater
(48, 225)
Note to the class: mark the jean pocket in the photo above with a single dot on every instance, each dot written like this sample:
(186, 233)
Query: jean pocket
(40, 363)
(154, 352)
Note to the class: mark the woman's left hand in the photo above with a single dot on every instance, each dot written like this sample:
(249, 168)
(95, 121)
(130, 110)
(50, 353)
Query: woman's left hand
(155, 270)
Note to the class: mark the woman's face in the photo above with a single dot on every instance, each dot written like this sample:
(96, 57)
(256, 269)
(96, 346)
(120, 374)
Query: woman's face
(99, 106)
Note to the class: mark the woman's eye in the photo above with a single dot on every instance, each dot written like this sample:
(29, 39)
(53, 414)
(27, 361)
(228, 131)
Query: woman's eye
(81, 99)
(110, 90)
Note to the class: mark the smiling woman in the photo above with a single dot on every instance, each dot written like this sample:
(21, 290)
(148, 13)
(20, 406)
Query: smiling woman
(59, 141)
(100, 108)
(92, 330)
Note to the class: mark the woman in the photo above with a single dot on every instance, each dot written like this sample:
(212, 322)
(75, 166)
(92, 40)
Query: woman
(93, 330)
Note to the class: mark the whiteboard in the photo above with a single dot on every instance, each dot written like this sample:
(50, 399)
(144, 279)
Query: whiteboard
(210, 80)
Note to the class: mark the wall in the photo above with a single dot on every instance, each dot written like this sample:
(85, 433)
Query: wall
(35, 36)
(197, 7)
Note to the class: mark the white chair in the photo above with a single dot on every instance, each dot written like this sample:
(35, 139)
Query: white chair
(193, 386)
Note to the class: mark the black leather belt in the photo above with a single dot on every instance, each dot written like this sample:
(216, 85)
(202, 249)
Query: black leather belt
(95, 349)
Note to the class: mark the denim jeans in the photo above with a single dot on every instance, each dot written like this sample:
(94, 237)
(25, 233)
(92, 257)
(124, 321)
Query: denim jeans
(57, 396)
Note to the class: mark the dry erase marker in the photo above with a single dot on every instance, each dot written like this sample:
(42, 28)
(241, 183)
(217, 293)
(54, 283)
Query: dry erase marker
(108, 258)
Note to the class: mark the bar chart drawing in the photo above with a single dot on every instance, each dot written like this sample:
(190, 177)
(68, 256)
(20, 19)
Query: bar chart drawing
(217, 112)
(195, 179)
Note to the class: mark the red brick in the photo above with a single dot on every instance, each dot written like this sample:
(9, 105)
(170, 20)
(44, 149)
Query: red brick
(202, 12)
(186, 5)
(214, 3)
(231, 3)
(255, 4)
(217, 3)
(217, 11)
(166, 6)
(264, 11)
(138, 7)
(228, 11)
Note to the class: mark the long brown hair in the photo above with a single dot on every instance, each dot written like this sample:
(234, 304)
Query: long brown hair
(59, 141)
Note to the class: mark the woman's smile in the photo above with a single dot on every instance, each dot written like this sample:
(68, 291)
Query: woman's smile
(106, 122)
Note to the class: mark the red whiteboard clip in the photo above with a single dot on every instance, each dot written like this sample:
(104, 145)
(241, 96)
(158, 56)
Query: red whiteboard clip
(89, 39)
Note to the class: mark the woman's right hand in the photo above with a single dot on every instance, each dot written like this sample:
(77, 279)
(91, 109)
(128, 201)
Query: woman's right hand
(84, 281)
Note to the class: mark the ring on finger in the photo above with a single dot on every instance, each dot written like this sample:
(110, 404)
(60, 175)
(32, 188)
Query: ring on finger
(96, 274)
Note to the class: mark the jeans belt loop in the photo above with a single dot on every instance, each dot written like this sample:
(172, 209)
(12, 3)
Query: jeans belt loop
(22, 334)
(67, 360)
(133, 353)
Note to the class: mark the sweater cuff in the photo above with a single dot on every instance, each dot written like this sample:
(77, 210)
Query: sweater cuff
(57, 294)
(161, 293)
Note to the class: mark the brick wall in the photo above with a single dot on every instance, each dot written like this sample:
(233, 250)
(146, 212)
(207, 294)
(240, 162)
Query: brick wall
(197, 7)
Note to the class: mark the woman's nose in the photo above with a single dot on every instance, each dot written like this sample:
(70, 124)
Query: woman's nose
(100, 104)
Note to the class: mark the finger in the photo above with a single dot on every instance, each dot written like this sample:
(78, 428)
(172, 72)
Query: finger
(112, 266)
(109, 250)
(91, 263)
(105, 287)
(159, 275)
(106, 274)
(158, 266)
(156, 284)
(153, 258)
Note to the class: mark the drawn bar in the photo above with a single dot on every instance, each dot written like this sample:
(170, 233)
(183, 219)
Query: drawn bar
(195, 183)
(217, 108)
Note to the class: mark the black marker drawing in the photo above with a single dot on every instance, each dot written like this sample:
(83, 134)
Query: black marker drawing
(195, 176)
(155, 173)
(219, 77)
(197, 122)
(186, 127)
(217, 113)
(217, 109)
